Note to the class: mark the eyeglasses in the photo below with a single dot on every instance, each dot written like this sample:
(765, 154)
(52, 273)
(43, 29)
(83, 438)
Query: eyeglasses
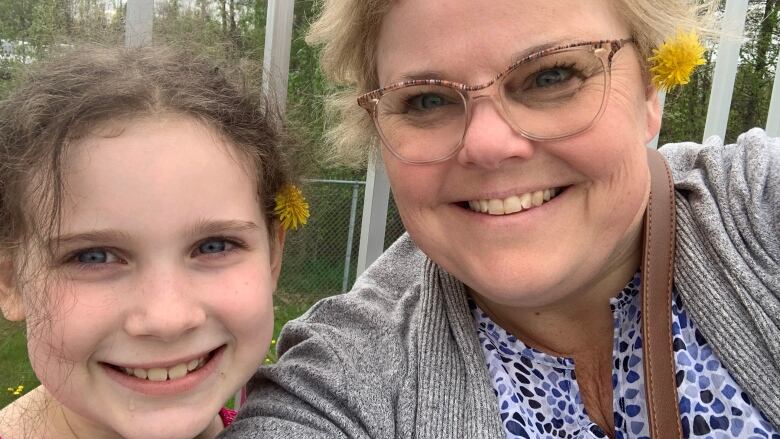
(547, 95)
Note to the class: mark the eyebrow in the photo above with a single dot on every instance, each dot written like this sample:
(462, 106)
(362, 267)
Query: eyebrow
(106, 235)
(200, 228)
(418, 75)
(216, 227)
(517, 56)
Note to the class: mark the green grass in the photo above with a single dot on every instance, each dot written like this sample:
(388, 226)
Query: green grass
(15, 368)
(303, 272)
(288, 306)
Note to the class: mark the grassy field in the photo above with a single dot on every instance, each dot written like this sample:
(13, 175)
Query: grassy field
(15, 368)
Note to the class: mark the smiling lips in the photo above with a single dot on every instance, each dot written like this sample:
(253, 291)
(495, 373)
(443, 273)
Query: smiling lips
(166, 374)
(514, 203)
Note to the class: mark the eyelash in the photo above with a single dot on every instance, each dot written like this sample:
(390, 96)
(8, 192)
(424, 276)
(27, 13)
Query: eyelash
(72, 258)
(235, 242)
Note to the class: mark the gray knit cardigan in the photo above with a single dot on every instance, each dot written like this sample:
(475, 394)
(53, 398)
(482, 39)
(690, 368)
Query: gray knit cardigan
(398, 356)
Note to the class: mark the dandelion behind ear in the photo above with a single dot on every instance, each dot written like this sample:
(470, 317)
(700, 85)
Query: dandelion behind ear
(675, 60)
(292, 209)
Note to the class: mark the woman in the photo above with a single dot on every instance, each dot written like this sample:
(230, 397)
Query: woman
(511, 308)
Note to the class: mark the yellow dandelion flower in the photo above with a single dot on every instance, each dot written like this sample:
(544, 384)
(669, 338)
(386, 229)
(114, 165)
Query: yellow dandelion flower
(674, 62)
(291, 207)
(11, 389)
(273, 341)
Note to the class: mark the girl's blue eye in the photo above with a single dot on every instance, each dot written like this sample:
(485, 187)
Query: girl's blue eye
(215, 246)
(95, 256)
(552, 76)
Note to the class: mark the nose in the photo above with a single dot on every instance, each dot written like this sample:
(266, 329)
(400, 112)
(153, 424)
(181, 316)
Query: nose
(166, 307)
(489, 139)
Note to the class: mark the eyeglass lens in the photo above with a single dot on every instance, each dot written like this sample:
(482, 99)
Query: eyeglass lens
(551, 96)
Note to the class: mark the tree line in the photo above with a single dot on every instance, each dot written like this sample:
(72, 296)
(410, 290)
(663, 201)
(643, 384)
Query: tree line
(234, 30)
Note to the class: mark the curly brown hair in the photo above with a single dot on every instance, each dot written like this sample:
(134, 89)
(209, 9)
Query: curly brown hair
(67, 96)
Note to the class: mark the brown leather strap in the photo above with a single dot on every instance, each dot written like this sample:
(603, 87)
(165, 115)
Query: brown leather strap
(657, 270)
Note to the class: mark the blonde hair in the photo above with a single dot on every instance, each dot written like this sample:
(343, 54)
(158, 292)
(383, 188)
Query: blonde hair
(348, 32)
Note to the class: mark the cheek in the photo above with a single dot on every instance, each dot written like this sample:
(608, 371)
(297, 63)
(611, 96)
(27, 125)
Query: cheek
(416, 188)
(243, 300)
(52, 314)
(628, 106)
(58, 345)
(612, 160)
(70, 324)
(614, 149)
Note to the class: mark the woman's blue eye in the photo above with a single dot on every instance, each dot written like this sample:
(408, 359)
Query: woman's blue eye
(215, 246)
(95, 256)
(428, 101)
(552, 76)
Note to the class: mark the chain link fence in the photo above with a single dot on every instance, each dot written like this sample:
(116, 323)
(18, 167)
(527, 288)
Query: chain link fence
(321, 257)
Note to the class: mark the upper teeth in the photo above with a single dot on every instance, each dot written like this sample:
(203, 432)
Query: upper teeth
(515, 203)
(162, 373)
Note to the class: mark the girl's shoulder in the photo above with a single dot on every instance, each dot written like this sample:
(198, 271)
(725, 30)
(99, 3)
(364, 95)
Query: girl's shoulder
(23, 414)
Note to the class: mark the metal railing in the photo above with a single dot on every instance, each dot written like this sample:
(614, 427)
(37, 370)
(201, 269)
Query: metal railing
(321, 256)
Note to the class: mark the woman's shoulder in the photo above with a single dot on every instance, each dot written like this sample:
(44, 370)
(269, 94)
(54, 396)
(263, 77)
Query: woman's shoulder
(349, 350)
(753, 158)
(387, 290)
(728, 251)
(378, 308)
(737, 183)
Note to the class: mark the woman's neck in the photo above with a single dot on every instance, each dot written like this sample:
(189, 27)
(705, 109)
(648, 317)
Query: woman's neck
(581, 323)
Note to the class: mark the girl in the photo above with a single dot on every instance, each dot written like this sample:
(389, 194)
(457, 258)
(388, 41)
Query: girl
(138, 241)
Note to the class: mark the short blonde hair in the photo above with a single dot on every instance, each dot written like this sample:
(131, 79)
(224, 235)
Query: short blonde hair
(348, 32)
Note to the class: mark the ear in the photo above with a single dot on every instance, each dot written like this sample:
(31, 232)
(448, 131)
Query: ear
(11, 304)
(277, 250)
(652, 113)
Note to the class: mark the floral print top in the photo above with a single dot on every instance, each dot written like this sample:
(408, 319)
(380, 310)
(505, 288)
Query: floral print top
(538, 395)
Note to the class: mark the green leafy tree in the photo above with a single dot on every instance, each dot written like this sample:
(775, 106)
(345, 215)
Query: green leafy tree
(753, 86)
(686, 107)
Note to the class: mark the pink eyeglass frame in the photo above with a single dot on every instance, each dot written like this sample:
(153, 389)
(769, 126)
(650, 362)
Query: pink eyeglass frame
(369, 101)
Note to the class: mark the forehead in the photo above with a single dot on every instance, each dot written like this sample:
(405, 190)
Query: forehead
(468, 41)
(158, 134)
(153, 174)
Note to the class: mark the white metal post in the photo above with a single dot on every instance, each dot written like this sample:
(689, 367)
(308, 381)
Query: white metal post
(276, 54)
(138, 23)
(773, 118)
(726, 62)
(372, 229)
(276, 67)
(661, 102)
(350, 237)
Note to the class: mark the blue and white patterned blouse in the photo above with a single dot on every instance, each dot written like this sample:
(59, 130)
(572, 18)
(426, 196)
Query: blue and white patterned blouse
(539, 397)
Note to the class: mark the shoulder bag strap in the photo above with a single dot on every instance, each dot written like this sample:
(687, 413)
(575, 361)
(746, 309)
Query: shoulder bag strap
(657, 270)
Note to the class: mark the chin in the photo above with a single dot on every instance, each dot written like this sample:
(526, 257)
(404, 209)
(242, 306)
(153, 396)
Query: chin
(168, 423)
(536, 285)
(165, 430)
